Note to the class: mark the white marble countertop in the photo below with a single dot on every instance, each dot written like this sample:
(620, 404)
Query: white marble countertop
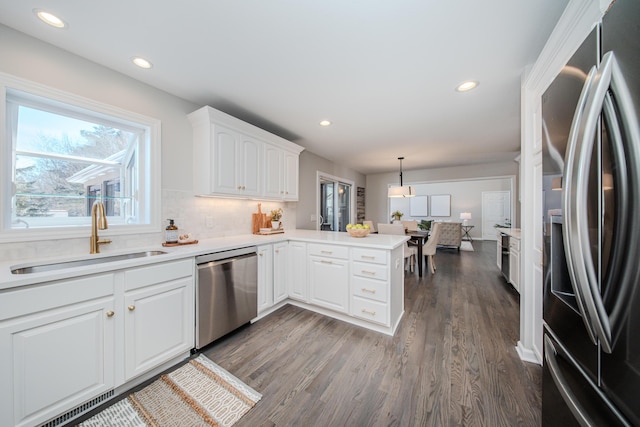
(9, 280)
(513, 232)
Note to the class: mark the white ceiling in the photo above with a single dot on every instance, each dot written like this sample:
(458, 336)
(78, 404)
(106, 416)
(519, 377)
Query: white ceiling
(383, 71)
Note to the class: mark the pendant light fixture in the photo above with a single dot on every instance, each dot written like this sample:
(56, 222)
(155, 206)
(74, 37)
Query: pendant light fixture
(402, 191)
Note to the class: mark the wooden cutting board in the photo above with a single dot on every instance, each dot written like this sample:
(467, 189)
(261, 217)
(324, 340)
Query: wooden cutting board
(258, 220)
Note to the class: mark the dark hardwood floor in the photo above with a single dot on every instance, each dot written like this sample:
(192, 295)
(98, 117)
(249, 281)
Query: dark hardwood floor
(452, 361)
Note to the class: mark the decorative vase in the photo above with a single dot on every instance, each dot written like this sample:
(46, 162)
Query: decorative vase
(275, 225)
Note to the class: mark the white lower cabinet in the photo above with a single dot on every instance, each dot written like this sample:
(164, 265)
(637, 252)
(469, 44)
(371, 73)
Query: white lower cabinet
(66, 343)
(329, 277)
(265, 277)
(159, 315)
(514, 263)
(370, 284)
(298, 282)
(57, 348)
(280, 264)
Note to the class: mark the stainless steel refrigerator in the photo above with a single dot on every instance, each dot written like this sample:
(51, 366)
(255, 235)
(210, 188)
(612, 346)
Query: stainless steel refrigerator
(591, 181)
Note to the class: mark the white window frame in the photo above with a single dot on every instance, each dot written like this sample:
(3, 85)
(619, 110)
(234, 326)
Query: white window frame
(148, 160)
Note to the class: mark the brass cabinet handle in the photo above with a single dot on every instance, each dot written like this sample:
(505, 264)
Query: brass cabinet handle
(131, 307)
(371, 291)
(367, 257)
(324, 261)
(110, 313)
(326, 252)
(372, 273)
(364, 310)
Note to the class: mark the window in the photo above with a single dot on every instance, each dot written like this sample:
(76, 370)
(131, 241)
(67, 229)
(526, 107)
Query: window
(63, 153)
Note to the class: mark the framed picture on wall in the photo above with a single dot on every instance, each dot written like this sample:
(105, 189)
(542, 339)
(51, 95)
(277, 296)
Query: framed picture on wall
(441, 205)
(419, 206)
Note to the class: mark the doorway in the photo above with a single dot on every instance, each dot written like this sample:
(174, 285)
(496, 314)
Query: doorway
(496, 209)
(335, 203)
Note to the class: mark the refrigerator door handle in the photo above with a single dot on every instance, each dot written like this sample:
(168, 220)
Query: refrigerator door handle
(569, 398)
(609, 75)
(573, 196)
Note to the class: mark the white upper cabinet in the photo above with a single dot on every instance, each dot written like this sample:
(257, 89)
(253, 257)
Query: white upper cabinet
(235, 158)
(281, 173)
(235, 163)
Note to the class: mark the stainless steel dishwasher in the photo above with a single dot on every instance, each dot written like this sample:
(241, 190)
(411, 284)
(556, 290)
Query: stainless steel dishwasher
(226, 293)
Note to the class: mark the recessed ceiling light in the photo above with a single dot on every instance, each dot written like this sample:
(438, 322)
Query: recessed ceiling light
(142, 63)
(325, 123)
(49, 18)
(465, 86)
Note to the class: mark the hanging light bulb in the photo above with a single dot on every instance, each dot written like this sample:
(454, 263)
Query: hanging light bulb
(401, 191)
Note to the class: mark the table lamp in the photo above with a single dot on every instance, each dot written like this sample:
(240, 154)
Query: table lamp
(465, 216)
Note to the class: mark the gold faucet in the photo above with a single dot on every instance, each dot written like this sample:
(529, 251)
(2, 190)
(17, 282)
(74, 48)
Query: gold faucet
(98, 222)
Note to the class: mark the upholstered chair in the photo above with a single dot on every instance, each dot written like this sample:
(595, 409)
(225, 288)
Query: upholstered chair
(410, 252)
(450, 234)
(410, 225)
(429, 248)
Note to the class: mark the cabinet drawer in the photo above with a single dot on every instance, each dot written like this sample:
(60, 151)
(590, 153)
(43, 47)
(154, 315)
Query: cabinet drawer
(372, 311)
(514, 244)
(367, 288)
(371, 271)
(331, 251)
(55, 294)
(369, 255)
(157, 273)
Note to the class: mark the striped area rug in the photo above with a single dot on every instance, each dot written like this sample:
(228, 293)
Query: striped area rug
(199, 393)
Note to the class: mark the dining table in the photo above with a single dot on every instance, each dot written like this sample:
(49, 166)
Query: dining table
(418, 238)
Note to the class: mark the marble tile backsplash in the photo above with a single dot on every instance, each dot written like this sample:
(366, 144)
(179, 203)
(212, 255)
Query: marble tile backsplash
(226, 217)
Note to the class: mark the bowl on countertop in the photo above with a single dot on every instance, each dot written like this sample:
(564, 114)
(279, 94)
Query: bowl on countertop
(358, 232)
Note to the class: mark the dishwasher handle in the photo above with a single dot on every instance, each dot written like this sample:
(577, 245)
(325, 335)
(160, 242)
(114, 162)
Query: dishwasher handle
(210, 264)
(227, 255)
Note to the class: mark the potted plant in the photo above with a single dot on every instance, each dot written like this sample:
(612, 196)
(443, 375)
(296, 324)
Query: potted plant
(276, 215)
(396, 215)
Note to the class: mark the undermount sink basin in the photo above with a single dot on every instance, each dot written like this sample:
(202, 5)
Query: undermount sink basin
(39, 268)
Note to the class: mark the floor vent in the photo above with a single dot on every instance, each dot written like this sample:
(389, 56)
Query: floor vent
(79, 410)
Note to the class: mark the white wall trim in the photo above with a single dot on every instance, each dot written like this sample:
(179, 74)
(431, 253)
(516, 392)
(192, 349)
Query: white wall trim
(577, 21)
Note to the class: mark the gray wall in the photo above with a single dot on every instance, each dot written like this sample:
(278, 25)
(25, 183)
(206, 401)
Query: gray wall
(310, 164)
(377, 202)
(31, 59)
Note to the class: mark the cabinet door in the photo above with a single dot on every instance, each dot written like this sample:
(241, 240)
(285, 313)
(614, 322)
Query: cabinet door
(298, 286)
(280, 272)
(159, 324)
(55, 360)
(265, 277)
(290, 176)
(329, 283)
(273, 166)
(499, 253)
(514, 269)
(250, 167)
(226, 152)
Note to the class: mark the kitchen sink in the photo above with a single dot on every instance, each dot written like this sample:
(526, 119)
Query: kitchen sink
(39, 268)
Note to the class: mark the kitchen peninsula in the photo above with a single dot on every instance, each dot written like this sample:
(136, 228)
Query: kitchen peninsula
(104, 318)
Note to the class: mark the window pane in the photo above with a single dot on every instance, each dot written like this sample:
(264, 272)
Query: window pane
(64, 164)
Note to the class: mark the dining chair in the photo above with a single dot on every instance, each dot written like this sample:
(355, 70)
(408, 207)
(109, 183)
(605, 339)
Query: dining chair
(410, 225)
(410, 252)
(429, 248)
(370, 224)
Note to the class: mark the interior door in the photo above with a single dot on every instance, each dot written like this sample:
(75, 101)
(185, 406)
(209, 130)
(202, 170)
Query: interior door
(496, 209)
